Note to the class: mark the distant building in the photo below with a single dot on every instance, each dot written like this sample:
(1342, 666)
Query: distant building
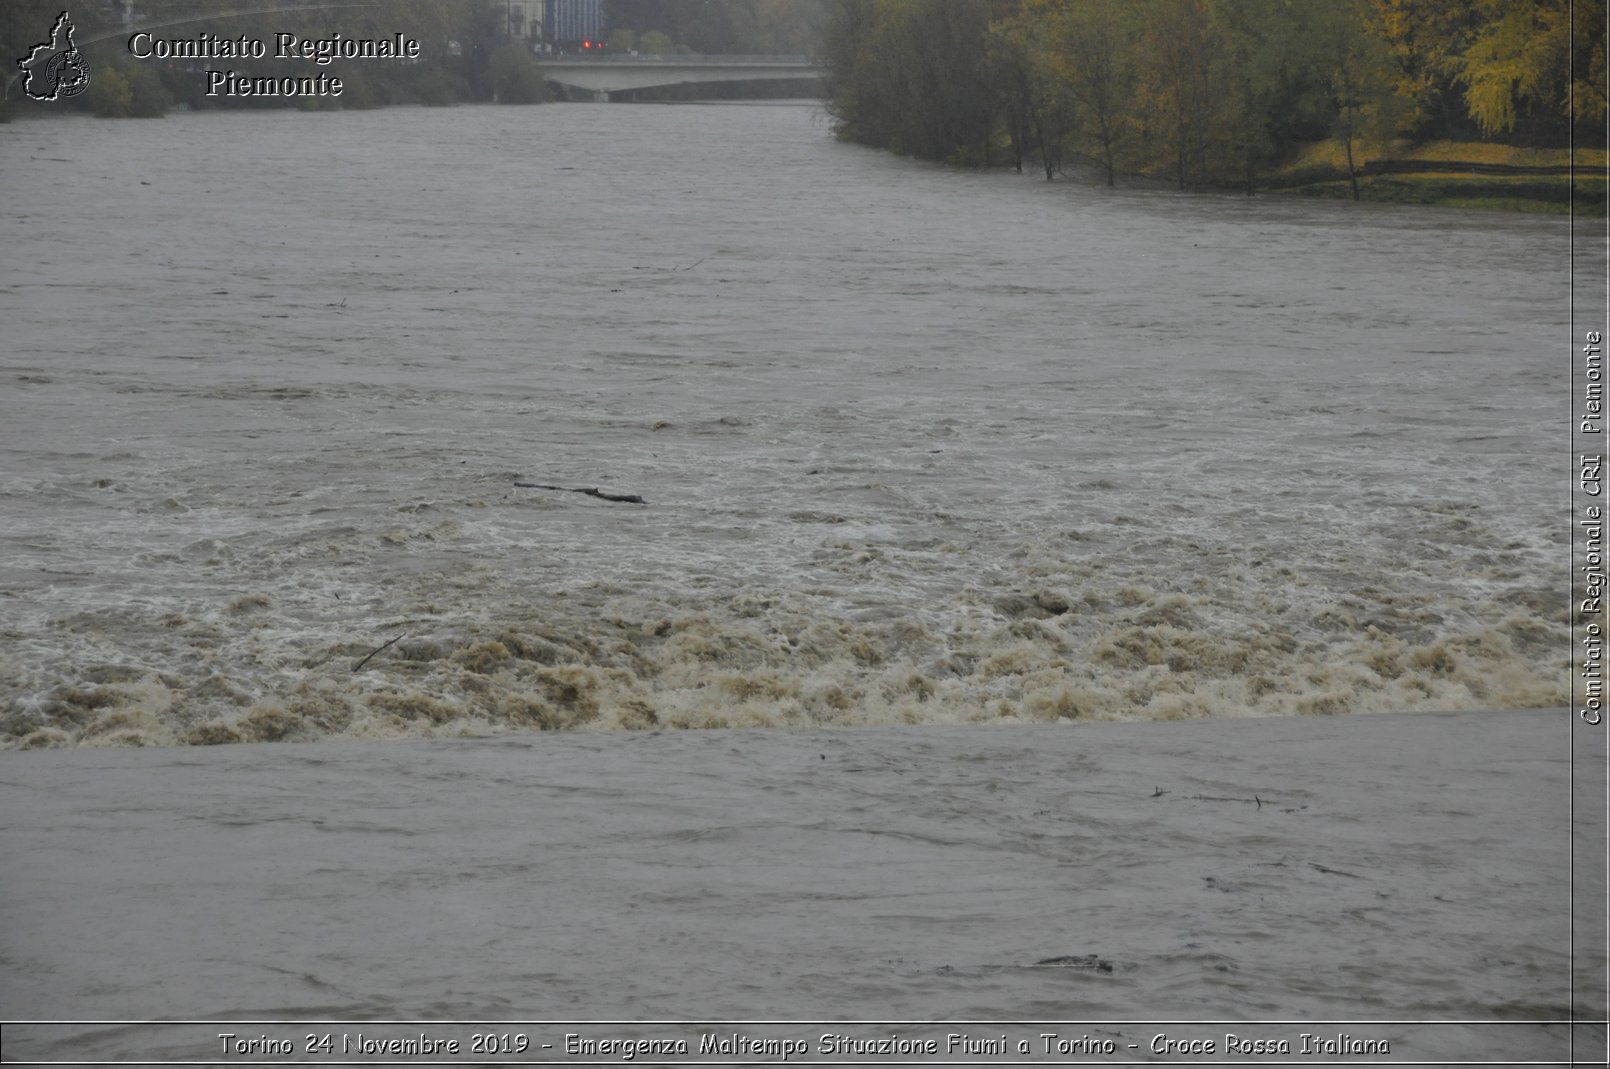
(525, 19)
(570, 24)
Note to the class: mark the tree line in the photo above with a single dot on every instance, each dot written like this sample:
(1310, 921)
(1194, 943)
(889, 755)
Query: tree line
(1209, 92)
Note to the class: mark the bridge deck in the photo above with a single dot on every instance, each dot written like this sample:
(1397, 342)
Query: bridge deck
(602, 75)
(714, 60)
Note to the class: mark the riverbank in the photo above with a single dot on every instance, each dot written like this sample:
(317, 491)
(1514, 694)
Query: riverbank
(1385, 868)
(1463, 174)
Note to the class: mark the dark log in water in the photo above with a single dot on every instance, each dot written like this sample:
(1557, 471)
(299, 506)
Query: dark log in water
(367, 659)
(590, 491)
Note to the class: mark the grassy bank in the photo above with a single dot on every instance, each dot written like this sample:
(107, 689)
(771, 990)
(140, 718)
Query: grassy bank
(1468, 174)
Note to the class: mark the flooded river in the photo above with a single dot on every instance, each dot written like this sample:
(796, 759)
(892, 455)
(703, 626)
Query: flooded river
(916, 444)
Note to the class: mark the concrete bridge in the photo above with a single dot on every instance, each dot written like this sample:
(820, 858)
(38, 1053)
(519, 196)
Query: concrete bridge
(603, 75)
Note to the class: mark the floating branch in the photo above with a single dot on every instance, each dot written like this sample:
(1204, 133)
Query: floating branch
(1254, 800)
(366, 660)
(590, 491)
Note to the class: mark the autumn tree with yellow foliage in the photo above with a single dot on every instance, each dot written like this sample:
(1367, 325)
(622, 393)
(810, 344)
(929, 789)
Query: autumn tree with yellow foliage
(1210, 91)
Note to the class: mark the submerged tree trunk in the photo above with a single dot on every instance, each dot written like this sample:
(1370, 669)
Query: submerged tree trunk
(1048, 155)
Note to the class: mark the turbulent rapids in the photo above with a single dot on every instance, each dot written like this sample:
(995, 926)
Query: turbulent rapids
(1068, 646)
(915, 446)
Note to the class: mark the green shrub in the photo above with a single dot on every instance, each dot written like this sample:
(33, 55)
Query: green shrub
(126, 90)
(515, 77)
(437, 88)
(655, 43)
(150, 98)
(109, 94)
